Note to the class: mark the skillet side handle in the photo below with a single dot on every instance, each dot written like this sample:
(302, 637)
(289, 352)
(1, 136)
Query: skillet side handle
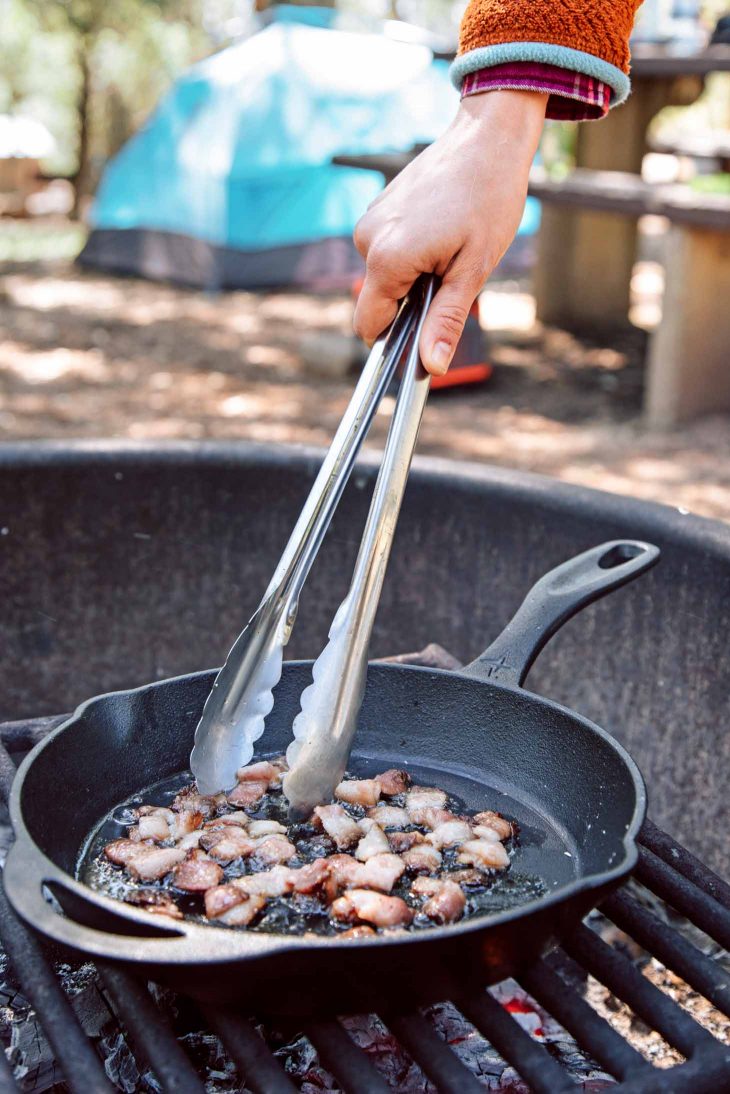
(555, 599)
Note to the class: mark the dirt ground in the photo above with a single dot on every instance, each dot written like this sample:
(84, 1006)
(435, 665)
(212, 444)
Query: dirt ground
(84, 355)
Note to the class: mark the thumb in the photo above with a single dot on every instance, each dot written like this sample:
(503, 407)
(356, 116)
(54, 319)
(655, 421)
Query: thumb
(445, 320)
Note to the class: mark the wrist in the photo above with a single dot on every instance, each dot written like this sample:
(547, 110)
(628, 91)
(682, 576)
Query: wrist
(516, 116)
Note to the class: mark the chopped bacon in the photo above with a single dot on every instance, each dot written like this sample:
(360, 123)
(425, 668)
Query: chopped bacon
(191, 840)
(358, 791)
(231, 905)
(380, 872)
(184, 823)
(155, 827)
(197, 873)
(484, 854)
(424, 797)
(354, 933)
(247, 794)
(153, 900)
(403, 841)
(375, 908)
(121, 851)
(272, 849)
(430, 817)
(339, 825)
(374, 843)
(422, 859)
(314, 878)
(269, 883)
(490, 819)
(264, 772)
(449, 833)
(237, 818)
(265, 828)
(190, 798)
(229, 844)
(393, 782)
(447, 904)
(467, 877)
(152, 863)
(491, 835)
(389, 816)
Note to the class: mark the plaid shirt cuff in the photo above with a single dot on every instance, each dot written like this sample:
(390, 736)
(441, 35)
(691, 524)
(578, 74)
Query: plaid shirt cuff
(573, 97)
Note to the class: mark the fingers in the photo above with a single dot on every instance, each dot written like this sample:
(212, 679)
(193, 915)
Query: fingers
(388, 277)
(448, 313)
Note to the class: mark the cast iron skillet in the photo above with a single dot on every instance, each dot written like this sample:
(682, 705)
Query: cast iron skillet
(578, 797)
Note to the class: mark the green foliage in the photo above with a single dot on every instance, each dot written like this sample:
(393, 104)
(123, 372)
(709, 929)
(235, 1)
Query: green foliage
(134, 49)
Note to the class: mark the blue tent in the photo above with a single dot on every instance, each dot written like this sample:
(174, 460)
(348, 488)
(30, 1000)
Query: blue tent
(230, 183)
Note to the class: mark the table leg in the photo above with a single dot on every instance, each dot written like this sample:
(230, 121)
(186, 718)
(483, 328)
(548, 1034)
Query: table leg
(689, 356)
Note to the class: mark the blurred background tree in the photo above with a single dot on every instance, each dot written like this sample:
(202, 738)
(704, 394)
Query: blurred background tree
(92, 70)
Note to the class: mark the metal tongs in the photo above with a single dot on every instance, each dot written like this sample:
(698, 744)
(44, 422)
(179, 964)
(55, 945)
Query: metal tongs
(242, 696)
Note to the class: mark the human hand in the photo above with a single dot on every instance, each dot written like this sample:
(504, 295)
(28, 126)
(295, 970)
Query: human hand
(453, 211)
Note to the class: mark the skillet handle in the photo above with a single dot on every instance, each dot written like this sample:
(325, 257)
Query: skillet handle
(557, 597)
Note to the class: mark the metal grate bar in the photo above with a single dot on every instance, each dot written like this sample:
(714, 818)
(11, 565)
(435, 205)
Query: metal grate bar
(703, 910)
(260, 1071)
(702, 1076)
(625, 981)
(75, 1054)
(349, 1065)
(530, 1059)
(591, 1031)
(151, 1035)
(685, 863)
(671, 948)
(433, 1055)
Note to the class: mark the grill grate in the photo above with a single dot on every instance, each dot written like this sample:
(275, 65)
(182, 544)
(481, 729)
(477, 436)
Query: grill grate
(556, 983)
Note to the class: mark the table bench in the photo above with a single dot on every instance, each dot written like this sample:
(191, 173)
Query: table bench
(688, 368)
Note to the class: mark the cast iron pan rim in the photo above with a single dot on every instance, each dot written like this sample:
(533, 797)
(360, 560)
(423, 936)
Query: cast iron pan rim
(281, 944)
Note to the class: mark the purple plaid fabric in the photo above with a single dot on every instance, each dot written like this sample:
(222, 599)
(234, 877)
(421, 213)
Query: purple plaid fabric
(573, 95)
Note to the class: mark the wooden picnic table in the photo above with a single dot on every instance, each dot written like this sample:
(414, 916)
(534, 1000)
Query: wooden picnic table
(594, 252)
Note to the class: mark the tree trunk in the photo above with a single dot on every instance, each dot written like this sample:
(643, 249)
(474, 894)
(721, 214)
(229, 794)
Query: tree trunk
(83, 110)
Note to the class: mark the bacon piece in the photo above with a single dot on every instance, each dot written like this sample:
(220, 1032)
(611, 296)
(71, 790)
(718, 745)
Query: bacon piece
(393, 782)
(375, 908)
(358, 791)
(490, 819)
(152, 863)
(449, 833)
(230, 904)
(484, 854)
(403, 841)
(154, 900)
(389, 816)
(374, 843)
(338, 825)
(422, 859)
(345, 871)
(269, 883)
(247, 794)
(419, 798)
(229, 844)
(315, 877)
(491, 835)
(121, 851)
(447, 904)
(187, 843)
(197, 873)
(238, 819)
(259, 828)
(357, 932)
(465, 877)
(189, 820)
(190, 798)
(272, 849)
(263, 771)
(381, 872)
(155, 826)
